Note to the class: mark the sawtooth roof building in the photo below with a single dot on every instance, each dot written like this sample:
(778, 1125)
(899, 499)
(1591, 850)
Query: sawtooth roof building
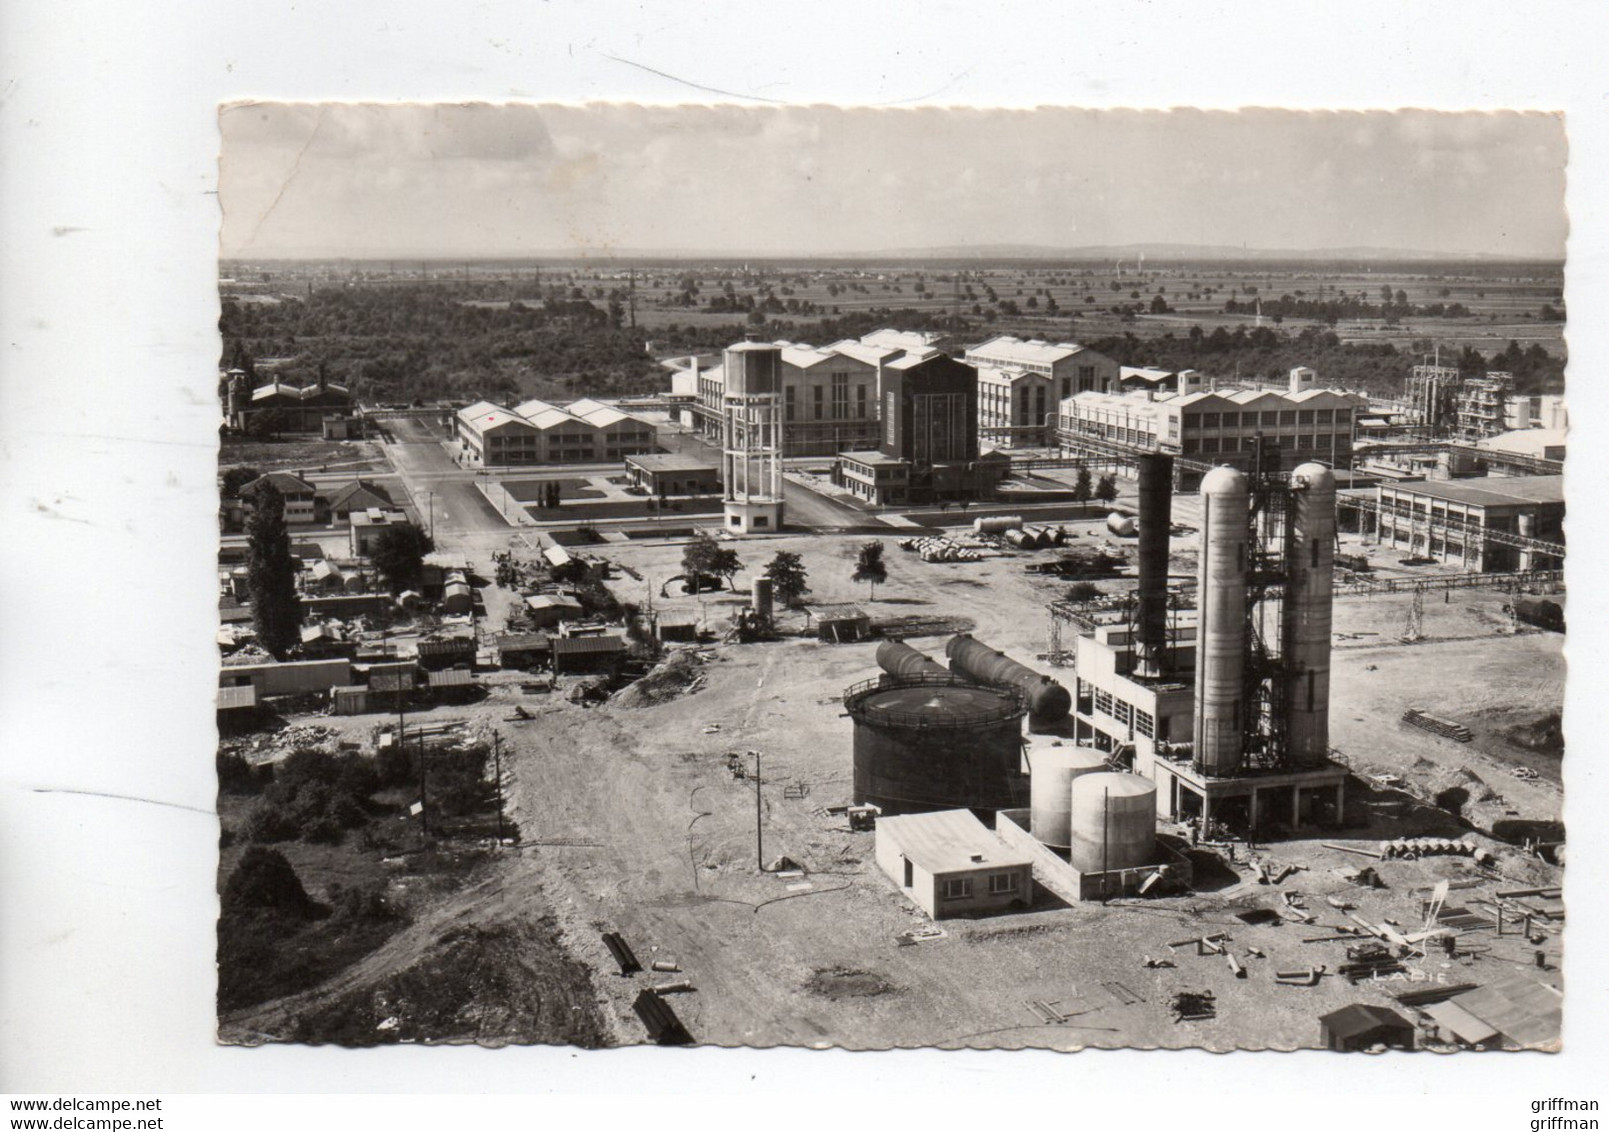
(540, 432)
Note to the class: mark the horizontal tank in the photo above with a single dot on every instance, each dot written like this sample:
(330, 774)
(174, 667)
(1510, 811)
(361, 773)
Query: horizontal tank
(899, 659)
(1051, 773)
(1121, 525)
(1113, 822)
(996, 524)
(924, 743)
(1048, 702)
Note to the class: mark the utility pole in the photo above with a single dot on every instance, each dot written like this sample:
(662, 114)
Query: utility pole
(1106, 874)
(759, 844)
(432, 500)
(497, 769)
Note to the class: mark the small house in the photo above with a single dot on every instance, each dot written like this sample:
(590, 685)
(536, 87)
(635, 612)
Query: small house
(457, 598)
(368, 525)
(586, 654)
(840, 624)
(673, 473)
(522, 650)
(547, 610)
(950, 864)
(1362, 1026)
(446, 652)
(359, 495)
(677, 627)
(452, 685)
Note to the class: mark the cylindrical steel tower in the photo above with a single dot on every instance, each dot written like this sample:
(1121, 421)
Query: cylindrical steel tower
(1221, 637)
(1156, 524)
(752, 436)
(1309, 595)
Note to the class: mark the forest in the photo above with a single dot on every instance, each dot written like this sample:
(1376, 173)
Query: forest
(434, 341)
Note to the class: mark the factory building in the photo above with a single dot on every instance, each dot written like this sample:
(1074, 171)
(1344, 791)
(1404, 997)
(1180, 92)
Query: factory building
(1219, 426)
(1446, 519)
(1225, 729)
(299, 409)
(929, 449)
(831, 395)
(1021, 382)
(538, 432)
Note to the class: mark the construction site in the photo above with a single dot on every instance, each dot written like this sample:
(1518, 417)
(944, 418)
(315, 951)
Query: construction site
(1233, 800)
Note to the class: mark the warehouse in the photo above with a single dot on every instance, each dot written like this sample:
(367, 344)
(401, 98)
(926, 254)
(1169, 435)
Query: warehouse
(539, 432)
(1445, 519)
(1067, 367)
(949, 864)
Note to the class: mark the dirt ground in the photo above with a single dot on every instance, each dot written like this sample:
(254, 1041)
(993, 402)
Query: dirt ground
(630, 820)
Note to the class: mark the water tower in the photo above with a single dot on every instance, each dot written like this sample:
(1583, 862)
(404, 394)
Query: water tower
(752, 437)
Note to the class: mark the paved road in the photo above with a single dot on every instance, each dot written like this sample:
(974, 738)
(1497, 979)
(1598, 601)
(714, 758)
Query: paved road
(458, 508)
(802, 507)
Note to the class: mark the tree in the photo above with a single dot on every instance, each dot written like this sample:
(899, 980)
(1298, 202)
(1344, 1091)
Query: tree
(787, 574)
(275, 607)
(1083, 490)
(236, 478)
(706, 558)
(398, 554)
(267, 422)
(869, 566)
(1106, 490)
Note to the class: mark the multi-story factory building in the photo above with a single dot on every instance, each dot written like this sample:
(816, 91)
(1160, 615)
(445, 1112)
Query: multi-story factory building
(929, 447)
(1448, 519)
(1021, 382)
(1219, 427)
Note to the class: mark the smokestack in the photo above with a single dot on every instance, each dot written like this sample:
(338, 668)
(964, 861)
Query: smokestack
(1305, 628)
(1156, 521)
(1221, 635)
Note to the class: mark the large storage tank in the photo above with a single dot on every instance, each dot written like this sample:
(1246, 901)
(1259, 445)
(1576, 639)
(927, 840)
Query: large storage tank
(1221, 638)
(761, 597)
(925, 743)
(1051, 773)
(1047, 701)
(899, 659)
(995, 524)
(752, 368)
(1309, 596)
(1113, 822)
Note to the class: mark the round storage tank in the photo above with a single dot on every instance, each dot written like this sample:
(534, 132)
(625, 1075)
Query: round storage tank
(936, 743)
(1122, 526)
(1051, 774)
(1114, 822)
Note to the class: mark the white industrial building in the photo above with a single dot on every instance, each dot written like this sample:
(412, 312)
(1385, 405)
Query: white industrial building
(1020, 384)
(949, 863)
(539, 432)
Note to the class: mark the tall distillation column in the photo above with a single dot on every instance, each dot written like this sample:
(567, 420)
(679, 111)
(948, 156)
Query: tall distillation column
(1156, 523)
(1309, 597)
(1221, 638)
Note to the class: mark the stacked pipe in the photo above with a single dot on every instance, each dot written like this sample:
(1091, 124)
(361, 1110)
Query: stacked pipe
(1048, 702)
(1156, 523)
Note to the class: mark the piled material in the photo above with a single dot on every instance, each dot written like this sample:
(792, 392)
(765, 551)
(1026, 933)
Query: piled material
(1446, 728)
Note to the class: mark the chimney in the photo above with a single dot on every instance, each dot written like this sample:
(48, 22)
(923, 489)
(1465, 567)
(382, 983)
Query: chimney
(1156, 522)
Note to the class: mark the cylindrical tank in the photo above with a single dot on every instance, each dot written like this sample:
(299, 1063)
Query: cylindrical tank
(1120, 525)
(753, 368)
(922, 743)
(760, 597)
(1156, 524)
(1113, 822)
(995, 524)
(899, 659)
(1221, 637)
(1051, 773)
(1048, 702)
(1305, 629)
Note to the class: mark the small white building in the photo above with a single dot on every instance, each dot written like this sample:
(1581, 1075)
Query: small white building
(950, 864)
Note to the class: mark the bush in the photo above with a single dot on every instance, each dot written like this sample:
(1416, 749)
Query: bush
(269, 823)
(263, 880)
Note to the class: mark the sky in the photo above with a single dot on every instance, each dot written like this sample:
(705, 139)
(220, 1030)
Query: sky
(483, 180)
